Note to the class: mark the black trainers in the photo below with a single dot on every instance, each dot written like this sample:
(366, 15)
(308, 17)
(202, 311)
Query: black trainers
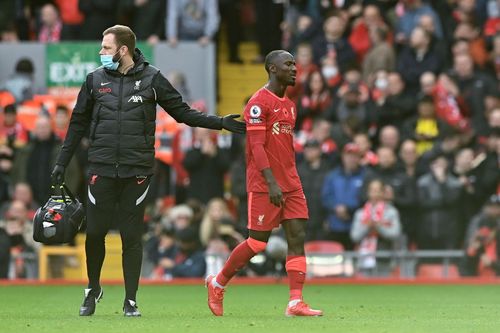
(130, 309)
(91, 299)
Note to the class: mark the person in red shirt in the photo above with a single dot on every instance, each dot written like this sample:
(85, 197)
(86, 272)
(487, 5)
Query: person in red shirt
(275, 195)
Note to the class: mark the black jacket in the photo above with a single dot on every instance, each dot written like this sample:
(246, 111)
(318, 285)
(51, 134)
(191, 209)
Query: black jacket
(120, 112)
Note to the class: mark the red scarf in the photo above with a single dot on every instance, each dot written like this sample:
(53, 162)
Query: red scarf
(368, 245)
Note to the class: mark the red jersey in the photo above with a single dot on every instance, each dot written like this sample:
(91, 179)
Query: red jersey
(270, 122)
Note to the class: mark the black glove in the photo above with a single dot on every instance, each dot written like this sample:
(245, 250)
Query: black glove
(232, 125)
(58, 175)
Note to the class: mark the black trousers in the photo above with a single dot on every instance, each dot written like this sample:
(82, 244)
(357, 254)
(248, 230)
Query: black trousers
(121, 200)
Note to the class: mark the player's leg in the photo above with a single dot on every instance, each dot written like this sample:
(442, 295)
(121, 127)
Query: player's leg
(262, 218)
(241, 255)
(133, 193)
(295, 216)
(101, 201)
(295, 231)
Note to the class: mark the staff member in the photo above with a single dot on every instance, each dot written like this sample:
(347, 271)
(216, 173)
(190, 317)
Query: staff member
(117, 103)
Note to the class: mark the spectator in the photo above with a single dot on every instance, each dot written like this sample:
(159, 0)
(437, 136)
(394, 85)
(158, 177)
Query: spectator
(189, 259)
(50, 30)
(161, 252)
(375, 227)
(369, 158)
(341, 195)
(61, 122)
(482, 242)
(413, 10)
(189, 20)
(412, 168)
(179, 217)
(33, 164)
(425, 128)
(21, 83)
(147, 18)
(471, 33)
(393, 103)
(438, 193)
(487, 164)
(20, 231)
(313, 103)
(416, 58)
(438, 44)
(344, 131)
(474, 87)
(217, 218)
(389, 137)
(332, 44)
(206, 164)
(22, 192)
(352, 103)
(448, 146)
(13, 135)
(361, 36)
(399, 188)
(268, 17)
(464, 169)
(305, 67)
(321, 132)
(447, 100)
(99, 15)
(230, 11)
(182, 258)
(380, 56)
(72, 19)
(312, 171)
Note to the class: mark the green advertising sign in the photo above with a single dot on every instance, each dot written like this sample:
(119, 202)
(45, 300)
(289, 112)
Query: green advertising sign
(69, 63)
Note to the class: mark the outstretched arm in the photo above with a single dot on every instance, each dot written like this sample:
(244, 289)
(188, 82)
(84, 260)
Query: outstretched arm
(171, 101)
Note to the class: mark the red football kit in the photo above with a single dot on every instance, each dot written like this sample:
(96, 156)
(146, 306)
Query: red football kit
(270, 122)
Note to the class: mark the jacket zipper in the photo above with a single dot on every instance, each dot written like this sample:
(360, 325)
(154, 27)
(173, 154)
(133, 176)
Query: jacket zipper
(118, 118)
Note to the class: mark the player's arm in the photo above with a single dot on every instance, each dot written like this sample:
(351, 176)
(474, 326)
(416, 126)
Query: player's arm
(256, 136)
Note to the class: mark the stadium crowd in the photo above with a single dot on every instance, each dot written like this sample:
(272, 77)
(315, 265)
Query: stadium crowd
(398, 113)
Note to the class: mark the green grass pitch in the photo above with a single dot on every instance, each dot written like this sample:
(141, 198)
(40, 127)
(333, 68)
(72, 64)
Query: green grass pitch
(257, 308)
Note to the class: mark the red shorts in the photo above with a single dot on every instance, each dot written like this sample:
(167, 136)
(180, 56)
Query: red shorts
(264, 216)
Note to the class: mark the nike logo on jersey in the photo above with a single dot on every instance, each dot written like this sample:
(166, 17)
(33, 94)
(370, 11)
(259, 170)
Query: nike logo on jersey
(276, 110)
(105, 83)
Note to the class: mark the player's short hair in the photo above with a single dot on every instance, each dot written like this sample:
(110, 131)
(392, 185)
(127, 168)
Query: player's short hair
(271, 58)
(123, 36)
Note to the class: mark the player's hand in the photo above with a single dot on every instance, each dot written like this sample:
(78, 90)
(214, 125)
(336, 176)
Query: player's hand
(232, 125)
(275, 195)
(57, 175)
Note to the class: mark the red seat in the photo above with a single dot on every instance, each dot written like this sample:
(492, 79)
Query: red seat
(325, 258)
(437, 271)
(323, 247)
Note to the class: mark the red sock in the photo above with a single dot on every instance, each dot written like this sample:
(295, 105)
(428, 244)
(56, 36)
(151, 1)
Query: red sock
(239, 258)
(296, 270)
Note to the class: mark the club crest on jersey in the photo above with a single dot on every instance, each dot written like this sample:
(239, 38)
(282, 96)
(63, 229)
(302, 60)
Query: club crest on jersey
(137, 85)
(255, 111)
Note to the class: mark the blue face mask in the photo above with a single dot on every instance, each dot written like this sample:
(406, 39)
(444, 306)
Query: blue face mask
(107, 61)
